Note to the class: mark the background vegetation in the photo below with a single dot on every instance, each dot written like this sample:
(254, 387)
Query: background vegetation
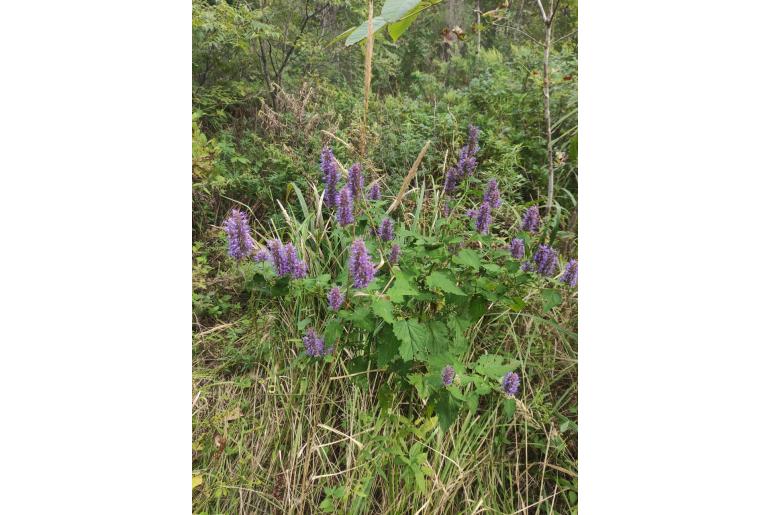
(274, 433)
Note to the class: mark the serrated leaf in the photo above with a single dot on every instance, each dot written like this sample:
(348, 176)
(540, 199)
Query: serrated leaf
(468, 257)
(509, 408)
(362, 30)
(446, 409)
(551, 299)
(495, 366)
(332, 332)
(387, 346)
(401, 288)
(414, 337)
(442, 281)
(439, 338)
(383, 308)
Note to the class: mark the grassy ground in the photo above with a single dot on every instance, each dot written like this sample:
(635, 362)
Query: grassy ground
(272, 434)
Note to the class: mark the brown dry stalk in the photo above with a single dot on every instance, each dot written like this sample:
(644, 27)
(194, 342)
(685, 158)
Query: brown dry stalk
(408, 178)
(367, 74)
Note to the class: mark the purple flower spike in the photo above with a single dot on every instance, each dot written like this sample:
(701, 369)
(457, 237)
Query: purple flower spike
(314, 345)
(356, 180)
(484, 218)
(279, 258)
(374, 192)
(448, 375)
(395, 250)
(466, 162)
(492, 194)
(345, 209)
(517, 248)
(570, 275)
(336, 298)
(240, 243)
(296, 267)
(531, 220)
(386, 229)
(545, 260)
(262, 255)
(330, 177)
(361, 269)
(511, 384)
(473, 138)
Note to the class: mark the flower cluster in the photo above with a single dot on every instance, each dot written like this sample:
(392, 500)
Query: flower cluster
(448, 375)
(336, 298)
(330, 177)
(345, 209)
(531, 220)
(395, 250)
(360, 267)
(545, 260)
(483, 218)
(314, 345)
(356, 180)
(240, 243)
(511, 383)
(517, 248)
(386, 229)
(570, 275)
(374, 192)
(466, 162)
(492, 194)
(285, 260)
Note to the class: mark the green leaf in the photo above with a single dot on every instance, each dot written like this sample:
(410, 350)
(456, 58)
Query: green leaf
(394, 10)
(457, 327)
(447, 410)
(442, 281)
(360, 318)
(383, 308)
(551, 299)
(397, 29)
(468, 257)
(362, 30)
(509, 408)
(332, 332)
(414, 337)
(439, 338)
(387, 346)
(495, 366)
(401, 287)
(472, 401)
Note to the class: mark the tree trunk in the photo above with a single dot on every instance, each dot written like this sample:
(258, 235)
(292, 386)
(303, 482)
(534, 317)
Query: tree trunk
(547, 102)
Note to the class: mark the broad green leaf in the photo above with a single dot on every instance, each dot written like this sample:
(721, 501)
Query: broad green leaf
(387, 346)
(414, 337)
(458, 343)
(394, 10)
(360, 318)
(495, 366)
(397, 29)
(332, 332)
(551, 299)
(447, 410)
(383, 308)
(439, 338)
(472, 401)
(509, 408)
(442, 281)
(468, 257)
(362, 30)
(401, 287)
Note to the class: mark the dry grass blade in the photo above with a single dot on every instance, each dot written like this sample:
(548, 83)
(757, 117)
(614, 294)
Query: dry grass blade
(408, 178)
